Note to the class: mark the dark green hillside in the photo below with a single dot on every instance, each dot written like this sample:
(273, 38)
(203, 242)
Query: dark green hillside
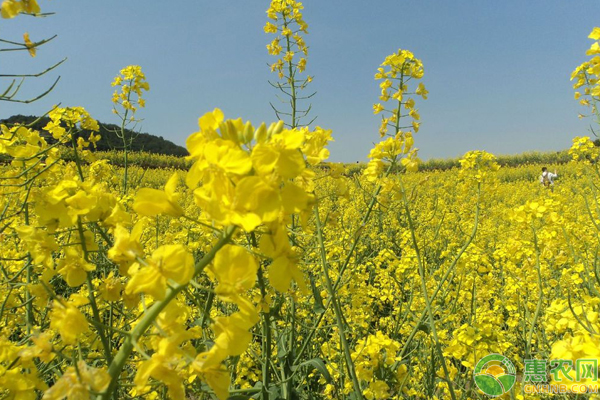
(110, 141)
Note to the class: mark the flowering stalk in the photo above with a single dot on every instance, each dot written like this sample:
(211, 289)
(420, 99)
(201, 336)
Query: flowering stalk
(132, 81)
(288, 25)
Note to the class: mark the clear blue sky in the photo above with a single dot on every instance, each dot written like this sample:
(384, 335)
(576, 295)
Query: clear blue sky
(497, 71)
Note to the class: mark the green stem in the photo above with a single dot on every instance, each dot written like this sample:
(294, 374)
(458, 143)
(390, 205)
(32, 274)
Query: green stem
(446, 274)
(291, 80)
(94, 305)
(538, 308)
(76, 156)
(289, 359)
(336, 308)
(29, 306)
(398, 110)
(116, 366)
(343, 267)
(425, 293)
(266, 326)
(125, 144)
(95, 311)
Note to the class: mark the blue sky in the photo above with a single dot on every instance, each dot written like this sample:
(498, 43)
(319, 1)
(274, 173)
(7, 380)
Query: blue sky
(497, 71)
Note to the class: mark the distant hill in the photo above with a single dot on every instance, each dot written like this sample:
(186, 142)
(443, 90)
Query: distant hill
(110, 141)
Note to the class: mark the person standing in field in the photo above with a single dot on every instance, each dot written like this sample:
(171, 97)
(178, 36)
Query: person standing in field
(547, 177)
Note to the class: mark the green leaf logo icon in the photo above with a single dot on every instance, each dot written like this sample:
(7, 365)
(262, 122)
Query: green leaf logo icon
(495, 375)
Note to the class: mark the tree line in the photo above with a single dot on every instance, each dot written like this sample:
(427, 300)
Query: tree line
(109, 141)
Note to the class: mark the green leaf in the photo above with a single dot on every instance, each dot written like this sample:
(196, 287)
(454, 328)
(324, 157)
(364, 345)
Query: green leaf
(318, 306)
(318, 364)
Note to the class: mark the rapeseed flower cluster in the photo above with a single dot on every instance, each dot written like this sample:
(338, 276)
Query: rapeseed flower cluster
(132, 83)
(12, 8)
(587, 75)
(287, 22)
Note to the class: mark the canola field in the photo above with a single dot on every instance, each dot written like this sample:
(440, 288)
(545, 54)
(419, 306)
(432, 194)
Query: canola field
(266, 272)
